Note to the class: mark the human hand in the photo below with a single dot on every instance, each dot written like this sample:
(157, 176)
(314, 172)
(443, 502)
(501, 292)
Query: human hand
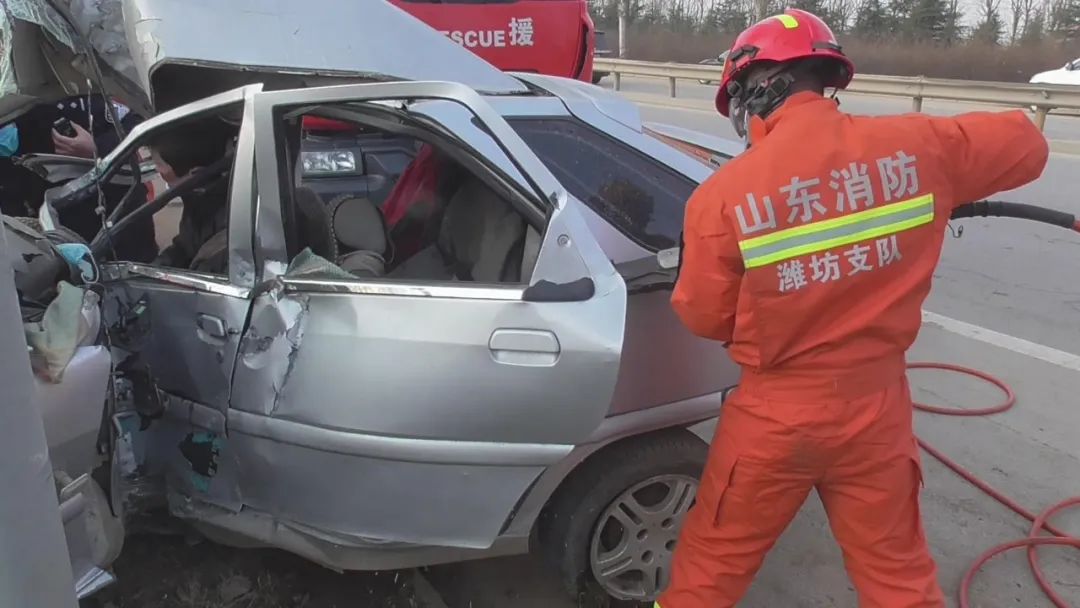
(82, 145)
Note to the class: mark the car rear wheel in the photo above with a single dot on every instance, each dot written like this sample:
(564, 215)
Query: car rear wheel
(611, 528)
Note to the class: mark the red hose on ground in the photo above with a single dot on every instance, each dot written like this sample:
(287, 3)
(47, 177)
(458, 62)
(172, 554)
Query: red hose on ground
(1038, 521)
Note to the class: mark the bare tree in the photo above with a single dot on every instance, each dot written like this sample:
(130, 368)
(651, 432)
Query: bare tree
(841, 13)
(1021, 12)
(989, 28)
(761, 9)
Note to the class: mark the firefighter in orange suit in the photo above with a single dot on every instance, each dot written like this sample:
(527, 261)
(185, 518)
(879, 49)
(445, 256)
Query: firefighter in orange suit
(810, 256)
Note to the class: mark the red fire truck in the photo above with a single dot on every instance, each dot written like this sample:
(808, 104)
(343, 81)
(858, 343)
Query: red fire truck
(553, 37)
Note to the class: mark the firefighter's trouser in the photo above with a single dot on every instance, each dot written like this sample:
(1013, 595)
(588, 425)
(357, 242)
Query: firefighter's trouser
(768, 452)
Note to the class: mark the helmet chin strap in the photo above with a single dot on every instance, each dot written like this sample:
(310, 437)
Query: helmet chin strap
(760, 100)
(768, 94)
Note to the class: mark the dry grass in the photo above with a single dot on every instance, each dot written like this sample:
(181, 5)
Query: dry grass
(966, 61)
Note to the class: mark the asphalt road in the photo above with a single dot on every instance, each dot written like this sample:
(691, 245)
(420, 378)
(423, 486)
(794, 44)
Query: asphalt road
(1031, 453)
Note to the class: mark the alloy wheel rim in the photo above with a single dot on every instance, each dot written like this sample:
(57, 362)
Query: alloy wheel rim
(634, 538)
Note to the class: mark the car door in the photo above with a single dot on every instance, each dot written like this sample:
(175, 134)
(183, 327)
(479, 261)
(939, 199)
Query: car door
(175, 332)
(422, 411)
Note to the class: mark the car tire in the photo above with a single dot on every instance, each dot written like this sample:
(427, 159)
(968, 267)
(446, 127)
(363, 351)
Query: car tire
(579, 528)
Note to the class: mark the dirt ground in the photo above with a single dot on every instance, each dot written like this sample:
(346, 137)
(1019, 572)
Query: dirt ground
(170, 572)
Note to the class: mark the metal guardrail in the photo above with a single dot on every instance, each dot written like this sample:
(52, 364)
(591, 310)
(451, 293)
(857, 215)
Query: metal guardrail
(1041, 97)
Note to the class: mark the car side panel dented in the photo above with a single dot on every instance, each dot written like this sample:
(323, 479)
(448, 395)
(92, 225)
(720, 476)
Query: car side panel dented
(269, 349)
(377, 499)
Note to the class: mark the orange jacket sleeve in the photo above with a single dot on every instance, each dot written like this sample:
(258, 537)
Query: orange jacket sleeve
(991, 152)
(707, 291)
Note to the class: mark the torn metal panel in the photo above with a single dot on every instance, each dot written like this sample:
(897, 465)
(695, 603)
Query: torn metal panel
(37, 57)
(186, 450)
(269, 350)
(40, 13)
(185, 336)
(317, 37)
(102, 24)
(16, 13)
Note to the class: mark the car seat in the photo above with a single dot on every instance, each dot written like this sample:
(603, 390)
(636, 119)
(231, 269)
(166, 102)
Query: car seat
(481, 238)
(213, 255)
(313, 223)
(360, 233)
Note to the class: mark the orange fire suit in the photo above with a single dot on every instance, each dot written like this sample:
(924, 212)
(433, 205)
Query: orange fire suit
(811, 255)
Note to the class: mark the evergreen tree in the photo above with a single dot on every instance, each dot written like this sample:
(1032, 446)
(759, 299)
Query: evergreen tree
(990, 27)
(729, 16)
(898, 19)
(872, 18)
(1034, 29)
(929, 20)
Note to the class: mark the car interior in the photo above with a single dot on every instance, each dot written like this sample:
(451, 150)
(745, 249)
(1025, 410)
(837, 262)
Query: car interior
(440, 221)
(211, 181)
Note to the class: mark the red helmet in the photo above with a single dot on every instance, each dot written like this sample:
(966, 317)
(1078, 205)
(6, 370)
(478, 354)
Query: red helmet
(796, 34)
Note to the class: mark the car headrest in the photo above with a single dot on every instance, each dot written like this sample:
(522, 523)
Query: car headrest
(213, 255)
(313, 221)
(358, 225)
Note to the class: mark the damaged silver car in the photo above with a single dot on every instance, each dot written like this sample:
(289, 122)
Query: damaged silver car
(453, 342)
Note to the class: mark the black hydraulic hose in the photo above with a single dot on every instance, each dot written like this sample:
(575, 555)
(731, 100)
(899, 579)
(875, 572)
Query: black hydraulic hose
(1019, 211)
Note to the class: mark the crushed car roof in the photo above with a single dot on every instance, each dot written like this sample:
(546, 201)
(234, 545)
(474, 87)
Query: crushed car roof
(158, 54)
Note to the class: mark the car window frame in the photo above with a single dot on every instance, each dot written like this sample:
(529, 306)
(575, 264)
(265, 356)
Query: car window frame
(523, 205)
(239, 276)
(628, 148)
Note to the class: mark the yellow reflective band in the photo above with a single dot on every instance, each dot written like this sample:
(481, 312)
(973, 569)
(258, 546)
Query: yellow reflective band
(656, 605)
(837, 232)
(788, 21)
(843, 220)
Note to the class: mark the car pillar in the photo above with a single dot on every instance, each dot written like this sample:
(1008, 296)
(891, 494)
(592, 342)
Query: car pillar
(33, 548)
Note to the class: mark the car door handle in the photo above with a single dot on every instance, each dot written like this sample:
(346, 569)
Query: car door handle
(527, 347)
(211, 326)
